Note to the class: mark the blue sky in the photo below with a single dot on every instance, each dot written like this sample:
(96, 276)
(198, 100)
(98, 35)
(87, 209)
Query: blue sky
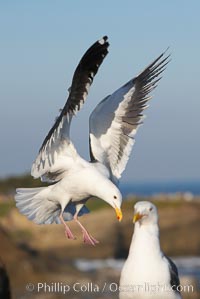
(41, 44)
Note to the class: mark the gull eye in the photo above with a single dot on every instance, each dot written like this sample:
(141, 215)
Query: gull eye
(150, 209)
(115, 197)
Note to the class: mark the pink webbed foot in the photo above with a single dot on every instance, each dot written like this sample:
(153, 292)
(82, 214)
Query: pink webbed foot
(68, 232)
(87, 238)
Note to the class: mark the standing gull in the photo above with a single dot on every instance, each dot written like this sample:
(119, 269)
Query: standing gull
(113, 125)
(147, 272)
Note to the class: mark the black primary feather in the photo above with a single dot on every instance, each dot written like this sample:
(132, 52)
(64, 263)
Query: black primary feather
(82, 80)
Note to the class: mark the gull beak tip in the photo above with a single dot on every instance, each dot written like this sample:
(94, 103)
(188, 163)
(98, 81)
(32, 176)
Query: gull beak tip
(119, 214)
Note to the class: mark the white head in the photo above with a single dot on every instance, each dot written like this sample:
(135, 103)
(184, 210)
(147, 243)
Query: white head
(145, 213)
(111, 194)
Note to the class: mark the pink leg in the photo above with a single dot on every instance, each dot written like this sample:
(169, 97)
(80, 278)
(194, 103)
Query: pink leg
(68, 232)
(87, 238)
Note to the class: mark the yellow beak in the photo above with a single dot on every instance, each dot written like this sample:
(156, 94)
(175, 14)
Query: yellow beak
(119, 214)
(137, 217)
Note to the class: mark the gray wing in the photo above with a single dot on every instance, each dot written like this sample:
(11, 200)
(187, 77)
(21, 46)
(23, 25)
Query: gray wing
(57, 153)
(174, 278)
(115, 120)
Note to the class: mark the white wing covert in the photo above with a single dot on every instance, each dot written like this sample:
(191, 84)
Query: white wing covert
(57, 153)
(115, 120)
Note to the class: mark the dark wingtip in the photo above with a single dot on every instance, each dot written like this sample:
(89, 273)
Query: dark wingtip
(105, 37)
(168, 57)
(103, 40)
(166, 50)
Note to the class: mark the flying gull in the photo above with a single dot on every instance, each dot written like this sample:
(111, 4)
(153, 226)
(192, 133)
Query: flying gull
(113, 125)
(148, 273)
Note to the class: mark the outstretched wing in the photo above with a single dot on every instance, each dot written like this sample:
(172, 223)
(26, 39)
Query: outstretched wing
(57, 153)
(115, 120)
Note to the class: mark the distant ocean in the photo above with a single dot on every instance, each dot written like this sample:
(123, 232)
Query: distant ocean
(153, 188)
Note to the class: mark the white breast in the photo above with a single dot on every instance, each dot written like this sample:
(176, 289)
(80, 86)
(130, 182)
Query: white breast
(145, 274)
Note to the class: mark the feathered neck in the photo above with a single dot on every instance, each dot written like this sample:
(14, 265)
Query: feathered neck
(145, 239)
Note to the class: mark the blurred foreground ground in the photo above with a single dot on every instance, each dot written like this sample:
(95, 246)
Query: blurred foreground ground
(36, 254)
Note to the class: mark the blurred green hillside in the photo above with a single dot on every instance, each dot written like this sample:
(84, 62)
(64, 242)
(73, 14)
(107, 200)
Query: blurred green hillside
(8, 185)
